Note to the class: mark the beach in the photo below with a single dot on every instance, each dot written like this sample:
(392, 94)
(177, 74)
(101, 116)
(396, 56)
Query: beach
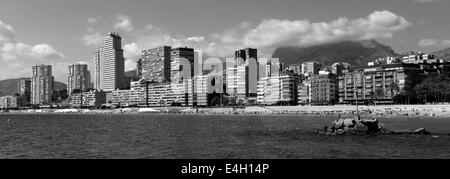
(341, 110)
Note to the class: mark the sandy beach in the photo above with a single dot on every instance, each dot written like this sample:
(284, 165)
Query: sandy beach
(385, 110)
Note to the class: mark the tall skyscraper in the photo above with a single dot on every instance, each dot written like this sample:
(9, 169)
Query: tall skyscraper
(112, 63)
(42, 83)
(175, 69)
(156, 64)
(97, 57)
(79, 78)
(243, 80)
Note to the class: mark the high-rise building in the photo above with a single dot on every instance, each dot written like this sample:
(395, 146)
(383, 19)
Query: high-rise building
(241, 79)
(79, 78)
(175, 69)
(278, 90)
(112, 63)
(139, 68)
(25, 90)
(42, 83)
(97, 57)
(156, 64)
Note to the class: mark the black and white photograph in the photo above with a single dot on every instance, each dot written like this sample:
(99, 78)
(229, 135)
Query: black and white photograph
(222, 80)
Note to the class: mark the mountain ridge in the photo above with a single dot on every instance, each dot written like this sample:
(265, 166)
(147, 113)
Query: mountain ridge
(11, 86)
(354, 52)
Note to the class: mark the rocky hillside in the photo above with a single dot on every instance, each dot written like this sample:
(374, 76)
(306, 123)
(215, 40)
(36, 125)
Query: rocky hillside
(353, 52)
(11, 86)
(442, 54)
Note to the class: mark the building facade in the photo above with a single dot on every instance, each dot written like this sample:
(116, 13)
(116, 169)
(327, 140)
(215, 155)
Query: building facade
(337, 68)
(377, 84)
(112, 63)
(311, 68)
(241, 78)
(42, 84)
(155, 65)
(296, 69)
(278, 90)
(324, 89)
(89, 99)
(79, 78)
(175, 65)
(97, 61)
(25, 90)
(11, 102)
(304, 92)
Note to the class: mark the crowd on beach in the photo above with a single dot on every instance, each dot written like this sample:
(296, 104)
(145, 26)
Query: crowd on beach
(407, 110)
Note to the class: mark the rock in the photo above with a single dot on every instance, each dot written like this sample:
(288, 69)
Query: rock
(338, 124)
(372, 126)
(340, 132)
(349, 122)
(420, 131)
(361, 128)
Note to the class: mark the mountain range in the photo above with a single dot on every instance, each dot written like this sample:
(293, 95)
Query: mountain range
(11, 86)
(442, 54)
(353, 52)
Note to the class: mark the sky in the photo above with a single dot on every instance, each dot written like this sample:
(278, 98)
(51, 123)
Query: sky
(62, 32)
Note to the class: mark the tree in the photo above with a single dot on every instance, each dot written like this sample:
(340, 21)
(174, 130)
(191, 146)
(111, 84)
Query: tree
(379, 93)
(393, 87)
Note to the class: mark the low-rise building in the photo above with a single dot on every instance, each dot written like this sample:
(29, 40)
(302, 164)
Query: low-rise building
(11, 102)
(90, 99)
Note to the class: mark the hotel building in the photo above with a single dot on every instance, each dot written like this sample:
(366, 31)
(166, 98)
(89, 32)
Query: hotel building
(112, 63)
(42, 83)
(79, 78)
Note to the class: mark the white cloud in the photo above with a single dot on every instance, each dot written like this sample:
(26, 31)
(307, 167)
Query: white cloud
(6, 32)
(266, 36)
(45, 51)
(124, 23)
(428, 42)
(428, 1)
(132, 53)
(92, 39)
(92, 21)
(272, 33)
(18, 57)
(149, 27)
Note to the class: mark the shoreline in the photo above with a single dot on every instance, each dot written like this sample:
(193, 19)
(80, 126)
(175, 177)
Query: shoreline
(390, 111)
